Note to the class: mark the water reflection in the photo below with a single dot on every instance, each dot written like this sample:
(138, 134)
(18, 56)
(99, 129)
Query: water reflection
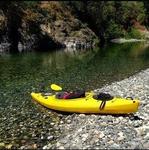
(61, 59)
(75, 68)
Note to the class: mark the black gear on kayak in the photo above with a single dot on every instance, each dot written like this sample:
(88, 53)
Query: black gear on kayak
(103, 97)
(70, 95)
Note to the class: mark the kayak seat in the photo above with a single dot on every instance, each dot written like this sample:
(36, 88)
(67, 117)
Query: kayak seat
(70, 95)
(103, 96)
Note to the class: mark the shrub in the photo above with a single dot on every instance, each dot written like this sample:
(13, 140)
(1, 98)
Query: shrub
(114, 30)
(134, 33)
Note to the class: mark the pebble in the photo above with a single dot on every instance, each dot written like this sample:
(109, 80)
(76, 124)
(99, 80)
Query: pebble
(120, 136)
(61, 147)
(52, 123)
(2, 145)
(45, 147)
(9, 146)
(115, 146)
(50, 137)
(146, 145)
(147, 136)
(58, 144)
(101, 135)
(110, 142)
(69, 121)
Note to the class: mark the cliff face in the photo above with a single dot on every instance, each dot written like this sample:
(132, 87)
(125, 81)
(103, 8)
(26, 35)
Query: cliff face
(4, 45)
(45, 26)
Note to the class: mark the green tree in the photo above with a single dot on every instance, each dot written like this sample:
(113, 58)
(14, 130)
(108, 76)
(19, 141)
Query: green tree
(128, 12)
(146, 6)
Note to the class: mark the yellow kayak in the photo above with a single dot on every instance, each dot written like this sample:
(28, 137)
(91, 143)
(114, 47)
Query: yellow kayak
(88, 104)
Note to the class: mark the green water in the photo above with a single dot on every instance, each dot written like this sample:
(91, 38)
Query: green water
(22, 73)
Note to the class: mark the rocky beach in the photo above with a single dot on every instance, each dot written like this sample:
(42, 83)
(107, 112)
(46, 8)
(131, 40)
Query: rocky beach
(80, 131)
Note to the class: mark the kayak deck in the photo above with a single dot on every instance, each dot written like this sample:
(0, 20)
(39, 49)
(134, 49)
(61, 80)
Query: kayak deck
(87, 104)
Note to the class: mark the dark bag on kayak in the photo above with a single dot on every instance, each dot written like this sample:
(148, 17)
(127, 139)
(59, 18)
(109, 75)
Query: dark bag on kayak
(103, 96)
(70, 95)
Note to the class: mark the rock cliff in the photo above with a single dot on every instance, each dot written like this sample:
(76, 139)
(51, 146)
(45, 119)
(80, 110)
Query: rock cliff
(45, 26)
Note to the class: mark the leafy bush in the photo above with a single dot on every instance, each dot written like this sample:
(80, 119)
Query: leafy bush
(114, 30)
(134, 33)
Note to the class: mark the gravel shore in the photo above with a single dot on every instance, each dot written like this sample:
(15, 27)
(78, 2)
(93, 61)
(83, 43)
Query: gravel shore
(80, 131)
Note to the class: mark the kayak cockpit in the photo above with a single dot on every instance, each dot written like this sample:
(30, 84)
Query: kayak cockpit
(70, 95)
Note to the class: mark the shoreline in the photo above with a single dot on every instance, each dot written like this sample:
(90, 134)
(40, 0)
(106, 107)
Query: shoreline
(108, 131)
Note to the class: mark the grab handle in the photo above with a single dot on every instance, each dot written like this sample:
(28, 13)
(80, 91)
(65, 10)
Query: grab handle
(129, 98)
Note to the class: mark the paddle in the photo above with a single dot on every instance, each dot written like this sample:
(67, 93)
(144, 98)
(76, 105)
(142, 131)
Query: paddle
(56, 87)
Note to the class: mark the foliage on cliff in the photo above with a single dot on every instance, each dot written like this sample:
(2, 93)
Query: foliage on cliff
(110, 19)
(41, 25)
(45, 23)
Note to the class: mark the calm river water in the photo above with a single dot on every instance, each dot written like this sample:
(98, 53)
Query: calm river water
(22, 120)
